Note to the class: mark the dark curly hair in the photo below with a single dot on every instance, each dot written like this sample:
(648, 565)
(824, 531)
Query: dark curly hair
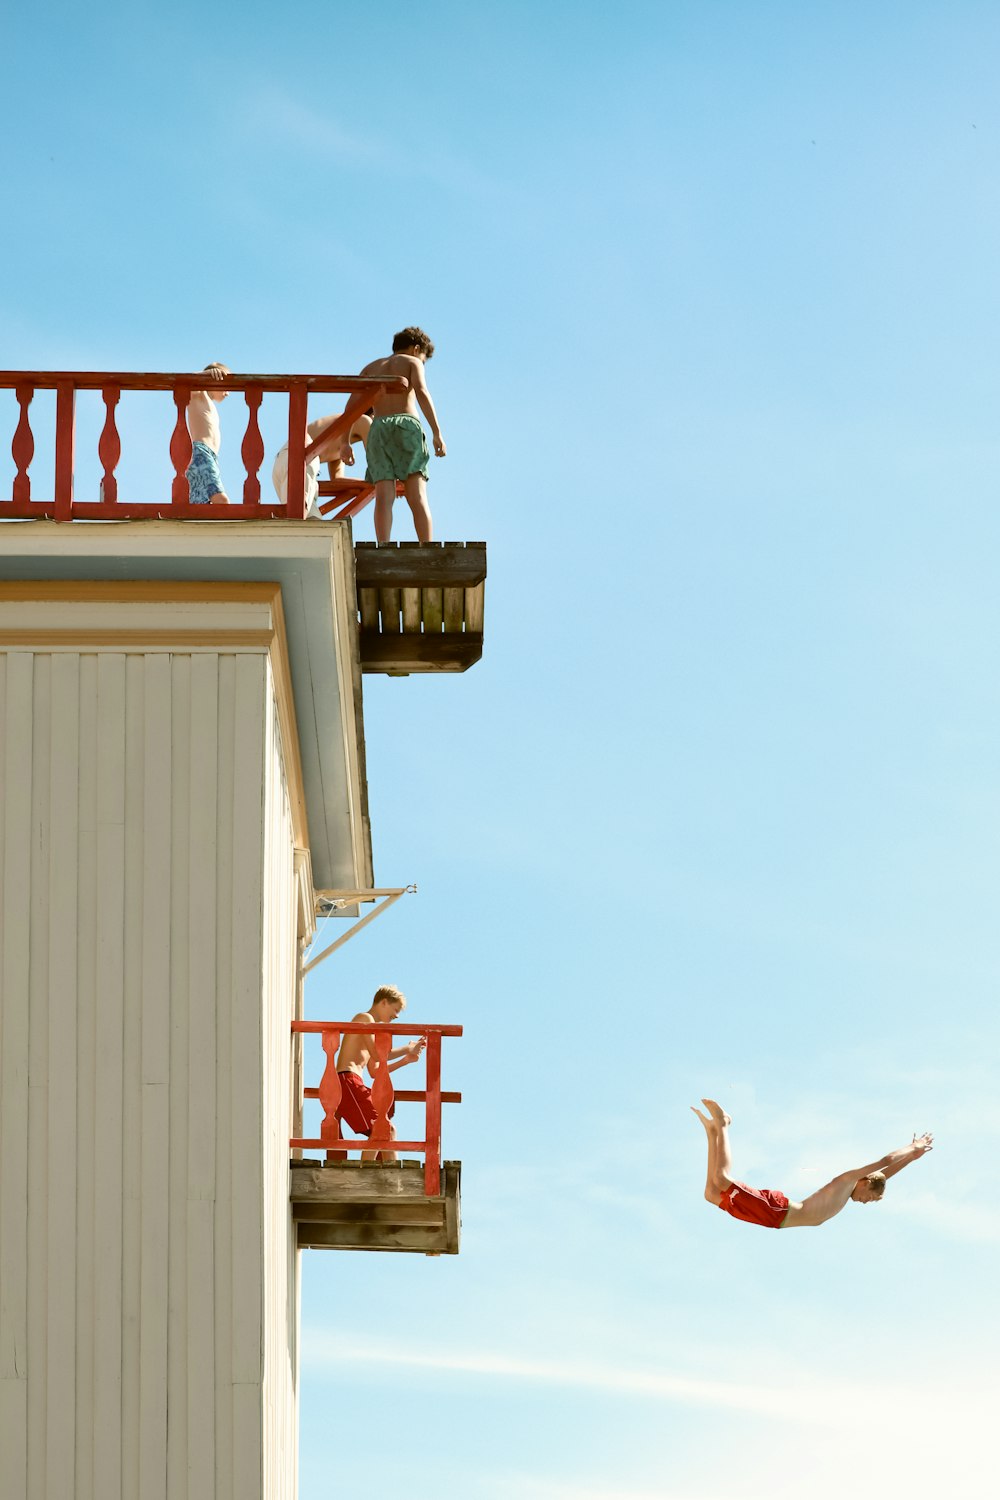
(410, 338)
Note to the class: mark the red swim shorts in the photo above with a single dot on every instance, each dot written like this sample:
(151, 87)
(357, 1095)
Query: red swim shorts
(764, 1206)
(356, 1107)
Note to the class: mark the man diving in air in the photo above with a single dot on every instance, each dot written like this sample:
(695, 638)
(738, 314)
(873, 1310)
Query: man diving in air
(772, 1209)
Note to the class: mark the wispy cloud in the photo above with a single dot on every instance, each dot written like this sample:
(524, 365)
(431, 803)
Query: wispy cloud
(318, 133)
(528, 1488)
(816, 1403)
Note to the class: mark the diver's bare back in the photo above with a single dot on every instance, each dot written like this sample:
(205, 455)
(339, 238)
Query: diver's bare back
(397, 403)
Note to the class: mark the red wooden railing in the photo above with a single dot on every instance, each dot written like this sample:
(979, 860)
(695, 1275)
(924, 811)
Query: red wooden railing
(329, 1093)
(60, 504)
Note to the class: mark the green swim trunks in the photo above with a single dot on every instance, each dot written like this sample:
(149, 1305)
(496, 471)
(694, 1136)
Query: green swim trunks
(396, 448)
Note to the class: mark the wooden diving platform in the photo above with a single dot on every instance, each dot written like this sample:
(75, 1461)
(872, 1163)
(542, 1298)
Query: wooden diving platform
(420, 605)
(347, 1205)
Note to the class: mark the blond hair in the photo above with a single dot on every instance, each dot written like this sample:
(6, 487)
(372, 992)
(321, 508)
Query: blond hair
(876, 1181)
(391, 993)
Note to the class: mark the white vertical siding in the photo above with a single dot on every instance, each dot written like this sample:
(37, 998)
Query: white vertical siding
(147, 981)
(281, 1257)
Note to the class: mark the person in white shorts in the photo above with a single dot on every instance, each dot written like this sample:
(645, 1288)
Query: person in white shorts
(335, 454)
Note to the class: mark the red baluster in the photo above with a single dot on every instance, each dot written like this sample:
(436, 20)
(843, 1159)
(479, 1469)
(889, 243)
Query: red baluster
(382, 1094)
(253, 448)
(109, 447)
(330, 1090)
(65, 445)
(23, 446)
(298, 401)
(432, 1127)
(180, 447)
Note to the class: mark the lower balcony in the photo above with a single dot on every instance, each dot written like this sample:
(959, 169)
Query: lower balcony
(382, 1201)
(375, 1206)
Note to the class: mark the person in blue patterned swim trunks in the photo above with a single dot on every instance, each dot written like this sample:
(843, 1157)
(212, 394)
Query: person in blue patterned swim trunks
(397, 448)
(202, 473)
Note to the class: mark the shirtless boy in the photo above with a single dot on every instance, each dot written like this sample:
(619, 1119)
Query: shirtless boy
(357, 1052)
(202, 474)
(335, 454)
(397, 448)
(771, 1208)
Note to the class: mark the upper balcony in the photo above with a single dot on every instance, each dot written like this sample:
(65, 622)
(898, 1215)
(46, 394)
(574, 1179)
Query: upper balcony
(420, 608)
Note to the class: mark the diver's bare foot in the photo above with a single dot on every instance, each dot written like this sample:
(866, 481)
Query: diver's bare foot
(703, 1118)
(717, 1112)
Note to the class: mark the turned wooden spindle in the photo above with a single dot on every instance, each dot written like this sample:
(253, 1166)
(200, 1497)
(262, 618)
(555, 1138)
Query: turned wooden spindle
(180, 448)
(330, 1091)
(22, 448)
(253, 447)
(109, 446)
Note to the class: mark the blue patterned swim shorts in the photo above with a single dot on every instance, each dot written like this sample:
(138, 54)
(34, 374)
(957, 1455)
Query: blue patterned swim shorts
(202, 474)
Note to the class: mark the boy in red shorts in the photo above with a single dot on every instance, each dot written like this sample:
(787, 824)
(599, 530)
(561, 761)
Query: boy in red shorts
(357, 1052)
(771, 1208)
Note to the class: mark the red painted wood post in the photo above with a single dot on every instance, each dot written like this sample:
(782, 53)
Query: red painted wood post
(432, 1127)
(382, 1094)
(298, 401)
(180, 447)
(65, 450)
(253, 447)
(109, 446)
(22, 448)
(330, 1091)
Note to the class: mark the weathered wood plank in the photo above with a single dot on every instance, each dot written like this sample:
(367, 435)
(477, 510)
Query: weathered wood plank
(420, 653)
(388, 608)
(417, 1238)
(451, 1182)
(474, 607)
(368, 607)
(432, 603)
(410, 598)
(454, 609)
(458, 564)
(355, 1180)
(382, 1211)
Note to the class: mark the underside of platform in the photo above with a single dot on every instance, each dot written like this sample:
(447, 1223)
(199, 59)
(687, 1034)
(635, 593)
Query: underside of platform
(370, 1206)
(420, 605)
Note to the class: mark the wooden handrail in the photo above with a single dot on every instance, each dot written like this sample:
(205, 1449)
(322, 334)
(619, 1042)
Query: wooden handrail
(329, 1093)
(63, 505)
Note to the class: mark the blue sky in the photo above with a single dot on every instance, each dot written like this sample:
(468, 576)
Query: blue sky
(714, 292)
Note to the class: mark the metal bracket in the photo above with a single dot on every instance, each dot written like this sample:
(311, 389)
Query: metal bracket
(328, 902)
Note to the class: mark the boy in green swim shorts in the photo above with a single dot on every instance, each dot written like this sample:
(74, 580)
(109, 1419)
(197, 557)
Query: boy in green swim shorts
(397, 448)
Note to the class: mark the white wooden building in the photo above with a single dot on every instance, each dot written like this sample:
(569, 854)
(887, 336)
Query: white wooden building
(181, 768)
